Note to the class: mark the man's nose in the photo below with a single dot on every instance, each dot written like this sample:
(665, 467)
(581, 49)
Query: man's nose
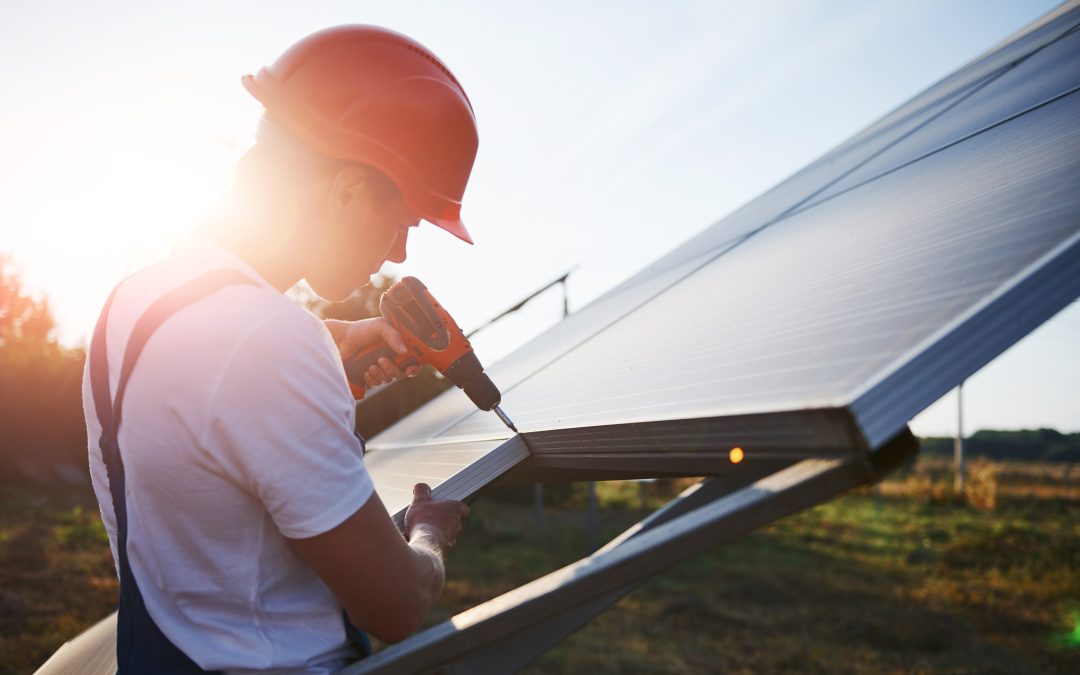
(396, 254)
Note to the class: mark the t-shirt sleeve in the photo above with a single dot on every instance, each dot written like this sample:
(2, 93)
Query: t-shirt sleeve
(281, 422)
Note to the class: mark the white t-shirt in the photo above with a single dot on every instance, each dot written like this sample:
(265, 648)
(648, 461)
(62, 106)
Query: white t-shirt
(237, 432)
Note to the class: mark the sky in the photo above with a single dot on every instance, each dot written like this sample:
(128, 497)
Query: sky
(610, 132)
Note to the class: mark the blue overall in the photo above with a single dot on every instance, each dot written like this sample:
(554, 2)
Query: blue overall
(141, 647)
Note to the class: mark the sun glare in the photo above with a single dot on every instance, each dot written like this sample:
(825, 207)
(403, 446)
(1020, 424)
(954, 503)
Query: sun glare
(112, 205)
(128, 213)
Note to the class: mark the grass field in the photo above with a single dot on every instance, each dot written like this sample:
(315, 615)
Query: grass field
(895, 579)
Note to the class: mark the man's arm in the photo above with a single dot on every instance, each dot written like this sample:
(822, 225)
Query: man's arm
(386, 585)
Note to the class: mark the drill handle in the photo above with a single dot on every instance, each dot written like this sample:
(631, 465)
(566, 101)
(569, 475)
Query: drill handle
(358, 365)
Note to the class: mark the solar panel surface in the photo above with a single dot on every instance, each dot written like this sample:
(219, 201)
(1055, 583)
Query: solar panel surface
(820, 317)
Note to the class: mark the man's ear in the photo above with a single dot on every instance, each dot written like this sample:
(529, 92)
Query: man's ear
(346, 189)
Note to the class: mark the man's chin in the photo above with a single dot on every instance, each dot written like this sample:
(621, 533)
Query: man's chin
(338, 292)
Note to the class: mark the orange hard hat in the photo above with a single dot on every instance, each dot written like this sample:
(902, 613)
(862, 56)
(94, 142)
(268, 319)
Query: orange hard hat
(370, 95)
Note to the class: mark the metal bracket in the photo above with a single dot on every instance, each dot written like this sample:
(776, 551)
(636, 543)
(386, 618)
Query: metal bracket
(506, 633)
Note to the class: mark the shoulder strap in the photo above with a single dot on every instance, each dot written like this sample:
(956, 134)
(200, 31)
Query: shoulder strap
(169, 304)
(99, 367)
(109, 409)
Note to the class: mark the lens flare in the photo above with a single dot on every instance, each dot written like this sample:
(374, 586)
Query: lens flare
(1073, 639)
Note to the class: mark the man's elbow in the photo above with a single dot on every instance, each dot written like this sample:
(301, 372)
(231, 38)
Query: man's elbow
(395, 632)
(398, 622)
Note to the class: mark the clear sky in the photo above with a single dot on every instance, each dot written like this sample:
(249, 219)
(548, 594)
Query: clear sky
(609, 133)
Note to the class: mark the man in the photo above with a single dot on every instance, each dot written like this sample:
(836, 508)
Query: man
(240, 514)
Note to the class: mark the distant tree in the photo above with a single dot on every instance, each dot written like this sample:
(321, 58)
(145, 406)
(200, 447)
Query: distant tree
(41, 422)
(1047, 445)
(381, 408)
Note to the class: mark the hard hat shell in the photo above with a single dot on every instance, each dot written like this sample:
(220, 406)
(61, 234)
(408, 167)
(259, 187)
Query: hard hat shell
(371, 95)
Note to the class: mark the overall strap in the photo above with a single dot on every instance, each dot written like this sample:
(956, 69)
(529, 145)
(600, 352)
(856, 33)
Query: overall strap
(99, 370)
(141, 646)
(109, 409)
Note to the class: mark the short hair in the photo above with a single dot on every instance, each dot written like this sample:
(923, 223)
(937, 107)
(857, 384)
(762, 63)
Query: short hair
(280, 157)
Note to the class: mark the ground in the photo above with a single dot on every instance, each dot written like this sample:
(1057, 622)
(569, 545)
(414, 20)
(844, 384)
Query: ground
(896, 579)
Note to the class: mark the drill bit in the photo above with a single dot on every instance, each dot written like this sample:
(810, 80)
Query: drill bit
(505, 419)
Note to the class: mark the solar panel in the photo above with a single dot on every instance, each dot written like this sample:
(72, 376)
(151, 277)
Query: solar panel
(819, 318)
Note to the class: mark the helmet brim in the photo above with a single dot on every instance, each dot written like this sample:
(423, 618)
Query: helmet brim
(453, 226)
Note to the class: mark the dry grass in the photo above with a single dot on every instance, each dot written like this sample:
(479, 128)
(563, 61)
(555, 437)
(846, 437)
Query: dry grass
(931, 479)
(897, 579)
(56, 569)
(866, 583)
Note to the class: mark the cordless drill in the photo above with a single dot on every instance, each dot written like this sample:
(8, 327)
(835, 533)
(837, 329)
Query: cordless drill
(432, 338)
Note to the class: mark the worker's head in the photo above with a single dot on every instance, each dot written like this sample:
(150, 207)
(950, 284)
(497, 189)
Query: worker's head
(368, 96)
(341, 219)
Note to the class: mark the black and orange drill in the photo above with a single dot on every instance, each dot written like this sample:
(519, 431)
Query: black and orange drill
(433, 338)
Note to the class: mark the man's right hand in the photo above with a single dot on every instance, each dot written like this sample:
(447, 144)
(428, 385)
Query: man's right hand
(439, 521)
(386, 585)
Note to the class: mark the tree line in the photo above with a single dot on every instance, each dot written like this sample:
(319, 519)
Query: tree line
(1043, 445)
(42, 436)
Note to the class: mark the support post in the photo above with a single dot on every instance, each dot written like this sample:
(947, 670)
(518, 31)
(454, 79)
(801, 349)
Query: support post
(538, 506)
(590, 519)
(958, 445)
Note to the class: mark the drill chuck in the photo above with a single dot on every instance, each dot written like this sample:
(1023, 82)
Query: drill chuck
(432, 338)
(467, 373)
(483, 392)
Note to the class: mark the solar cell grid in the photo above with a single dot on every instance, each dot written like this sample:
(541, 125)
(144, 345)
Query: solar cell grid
(803, 312)
(1044, 76)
